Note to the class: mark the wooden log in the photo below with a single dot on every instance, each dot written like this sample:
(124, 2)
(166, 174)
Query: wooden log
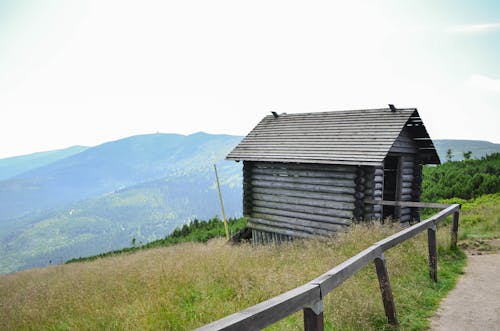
(307, 167)
(406, 184)
(378, 179)
(305, 209)
(377, 208)
(360, 188)
(379, 172)
(313, 317)
(454, 229)
(406, 190)
(377, 193)
(294, 227)
(359, 180)
(301, 222)
(377, 216)
(303, 173)
(385, 290)
(407, 171)
(305, 194)
(359, 203)
(359, 195)
(303, 180)
(407, 178)
(378, 186)
(304, 187)
(405, 197)
(303, 201)
(288, 232)
(305, 216)
(431, 241)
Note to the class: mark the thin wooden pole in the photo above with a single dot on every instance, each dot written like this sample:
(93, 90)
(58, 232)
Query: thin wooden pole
(221, 203)
(313, 317)
(454, 229)
(431, 240)
(386, 291)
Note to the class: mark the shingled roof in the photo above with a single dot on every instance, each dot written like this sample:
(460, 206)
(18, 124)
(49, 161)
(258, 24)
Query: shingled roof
(355, 137)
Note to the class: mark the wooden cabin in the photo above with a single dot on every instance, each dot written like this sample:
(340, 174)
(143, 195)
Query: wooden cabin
(315, 173)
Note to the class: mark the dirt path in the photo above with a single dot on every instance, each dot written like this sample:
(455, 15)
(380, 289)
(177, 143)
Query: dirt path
(475, 302)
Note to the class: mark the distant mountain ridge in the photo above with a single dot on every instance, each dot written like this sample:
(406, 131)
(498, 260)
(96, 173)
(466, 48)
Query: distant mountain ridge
(108, 167)
(13, 166)
(479, 148)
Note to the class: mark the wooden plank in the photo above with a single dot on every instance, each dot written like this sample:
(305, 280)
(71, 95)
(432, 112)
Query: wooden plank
(296, 227)
(303, 222)
(454, 228)
(306, 167)
(412, 231)
(304, 201)
(432, 246)
(304, 209)
(266, 228)
(344, 182)
(268, 312)
(305, 194)
(313, 318)
(386, 291)
(304, 187)
(305, 216)
(337, 275)
(408, 204)
(303, 173)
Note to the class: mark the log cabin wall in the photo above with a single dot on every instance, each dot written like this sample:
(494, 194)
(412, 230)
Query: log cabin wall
(284, 200)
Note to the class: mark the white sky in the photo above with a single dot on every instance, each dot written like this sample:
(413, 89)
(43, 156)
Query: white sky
(86, 72)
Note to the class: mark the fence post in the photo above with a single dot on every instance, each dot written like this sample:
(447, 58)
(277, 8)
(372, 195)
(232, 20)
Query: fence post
(454, 228)
(431, 240)
(385, 289)
(313, 317)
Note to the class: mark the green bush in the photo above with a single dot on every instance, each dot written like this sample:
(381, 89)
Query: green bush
(465, 179)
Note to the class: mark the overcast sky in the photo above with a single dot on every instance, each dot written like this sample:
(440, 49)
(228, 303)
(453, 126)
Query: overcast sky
(86, 72)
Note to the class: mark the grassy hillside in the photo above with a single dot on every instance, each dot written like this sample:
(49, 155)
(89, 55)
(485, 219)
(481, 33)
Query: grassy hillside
(12, 166)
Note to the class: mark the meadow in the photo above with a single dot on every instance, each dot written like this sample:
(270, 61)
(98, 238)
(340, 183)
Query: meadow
(187, 285)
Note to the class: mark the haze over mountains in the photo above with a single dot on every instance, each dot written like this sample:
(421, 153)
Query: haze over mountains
(83, 201)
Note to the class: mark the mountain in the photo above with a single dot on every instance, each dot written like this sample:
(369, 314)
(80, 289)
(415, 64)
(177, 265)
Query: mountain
(109, 167)
(140, 187)
(12, 166)
(478, 148)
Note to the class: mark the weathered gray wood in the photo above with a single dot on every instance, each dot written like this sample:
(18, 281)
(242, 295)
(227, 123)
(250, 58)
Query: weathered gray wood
(268, 312)
(337, 275)
(306, 167)
(303, 222)
(304, 209)
(313, 317)
(305, 194)
(386, 291)
(308, 229)
(304, 187)
(266, 228)
(432, 246)
(304, 201)
(302, 180)
(454, 228)
(412, 231)
(304, 173)
(306, 216)
(408, 203)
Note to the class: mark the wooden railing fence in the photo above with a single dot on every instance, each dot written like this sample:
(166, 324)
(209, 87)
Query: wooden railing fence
(309, 297)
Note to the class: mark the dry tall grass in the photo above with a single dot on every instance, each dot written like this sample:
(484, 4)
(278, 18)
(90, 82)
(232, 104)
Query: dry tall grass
(188, 285)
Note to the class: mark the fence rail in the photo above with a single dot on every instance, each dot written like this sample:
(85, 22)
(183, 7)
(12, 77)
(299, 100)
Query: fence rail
(308, 297)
